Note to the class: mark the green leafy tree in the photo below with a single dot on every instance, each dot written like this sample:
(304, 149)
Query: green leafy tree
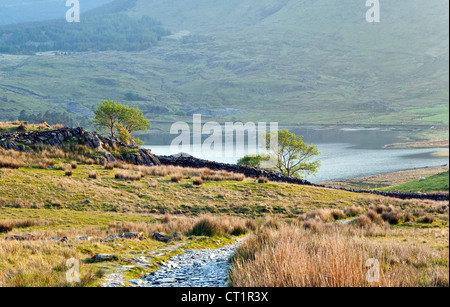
(114, 116)
(107, 115)
(133, 119)
(294, 157)
(124, 135)
(253, 160)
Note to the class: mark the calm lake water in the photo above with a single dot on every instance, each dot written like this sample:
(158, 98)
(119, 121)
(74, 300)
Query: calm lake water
(345, 153)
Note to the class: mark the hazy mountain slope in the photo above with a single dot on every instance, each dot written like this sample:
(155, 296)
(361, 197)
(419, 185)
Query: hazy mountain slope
(17, 11)
(284, 60)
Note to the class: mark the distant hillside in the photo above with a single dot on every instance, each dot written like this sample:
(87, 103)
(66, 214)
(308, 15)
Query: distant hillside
(104, 28)
(291, 61)
(18, 11)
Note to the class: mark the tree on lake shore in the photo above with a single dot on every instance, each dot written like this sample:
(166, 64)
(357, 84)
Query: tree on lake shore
(121, 119)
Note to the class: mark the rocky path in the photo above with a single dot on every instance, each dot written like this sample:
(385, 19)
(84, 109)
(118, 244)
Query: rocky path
(202, 268)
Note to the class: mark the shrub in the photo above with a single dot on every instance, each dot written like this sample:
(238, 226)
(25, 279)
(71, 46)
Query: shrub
(312, 225)
(209, 227)
(337, 214)
(263, 180)
(68, 171)
(109, 165)
(8, 162)
(363, 222)
(22, 127)
(197, 181)
(128, 175)
(176, 178)
(6, 226)
(93, 174)
(352, 211)
(427, 219)
(392, 217)
(408, 217)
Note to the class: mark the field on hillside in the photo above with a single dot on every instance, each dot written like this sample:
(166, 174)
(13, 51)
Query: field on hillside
(69, 211)
(387, 181)
(435, 183)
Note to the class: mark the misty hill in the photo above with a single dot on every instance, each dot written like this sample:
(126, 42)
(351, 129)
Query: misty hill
(275, 60)
(18, 11)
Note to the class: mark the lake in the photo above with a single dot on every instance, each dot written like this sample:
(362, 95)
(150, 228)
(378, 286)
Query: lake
(345, 153)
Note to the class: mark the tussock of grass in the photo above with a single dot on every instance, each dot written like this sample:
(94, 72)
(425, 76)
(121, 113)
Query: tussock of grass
(208, 225)
(128, 175)
(176, 178)
(93, 174)
(332, 257)
(197, 181)
(263, 180)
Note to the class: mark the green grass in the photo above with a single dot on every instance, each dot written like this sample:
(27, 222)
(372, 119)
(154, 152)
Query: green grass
(58, 207)
(435, 183)
(51, 189)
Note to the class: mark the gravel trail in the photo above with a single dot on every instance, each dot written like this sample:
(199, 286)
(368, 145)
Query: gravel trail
(194, 268)
(203, 268)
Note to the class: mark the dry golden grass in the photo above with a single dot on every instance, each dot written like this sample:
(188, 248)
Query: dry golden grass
(13, 126)
(207, 225)
(178, 173)
(44, 156)
(20, 203)
(40, 264)
(128, 175)
(8, 225)
(332, 257)
(209, 175)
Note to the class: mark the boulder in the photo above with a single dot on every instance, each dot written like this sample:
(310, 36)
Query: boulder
(131, 235)
(161, 238)
(103, 257)
(110, 238)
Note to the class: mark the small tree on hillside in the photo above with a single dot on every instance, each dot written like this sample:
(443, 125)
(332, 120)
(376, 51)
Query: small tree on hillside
(133, 119)
(125, 120)
(107, 115)
(294, 156)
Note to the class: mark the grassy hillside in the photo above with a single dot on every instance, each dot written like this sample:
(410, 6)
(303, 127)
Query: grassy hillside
(435, 183)
(69, 216)
(305, 61)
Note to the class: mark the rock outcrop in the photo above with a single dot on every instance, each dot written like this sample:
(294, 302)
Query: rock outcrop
(25, 141)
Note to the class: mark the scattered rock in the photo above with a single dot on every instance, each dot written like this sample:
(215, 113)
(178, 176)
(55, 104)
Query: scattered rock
(103, 257)
(136, 281)
(161, 238)
(110, 238)
(25, 237)
(131, 235)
